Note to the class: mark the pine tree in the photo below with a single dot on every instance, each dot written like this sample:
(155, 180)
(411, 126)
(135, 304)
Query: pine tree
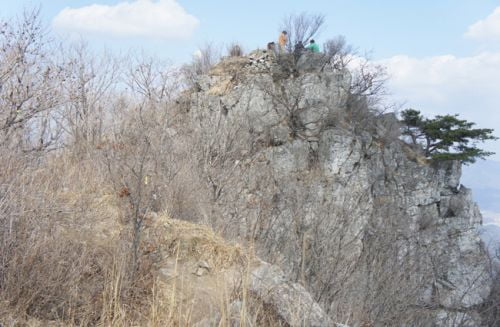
(446, 137)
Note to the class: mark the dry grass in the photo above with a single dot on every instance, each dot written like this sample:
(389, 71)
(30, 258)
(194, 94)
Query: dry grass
(61, 243)
(66, 258)
(201, 243)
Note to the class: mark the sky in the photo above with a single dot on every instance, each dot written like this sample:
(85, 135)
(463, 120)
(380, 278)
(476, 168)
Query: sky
(442, 56)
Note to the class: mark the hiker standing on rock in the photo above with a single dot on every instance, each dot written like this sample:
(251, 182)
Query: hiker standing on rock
(282, 41)
(313, 46)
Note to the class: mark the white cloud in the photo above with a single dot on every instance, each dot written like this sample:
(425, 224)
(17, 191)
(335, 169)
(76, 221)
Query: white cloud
(490, 217)
(440, 77)
(486, 29)
(448, 84)
(163, 19)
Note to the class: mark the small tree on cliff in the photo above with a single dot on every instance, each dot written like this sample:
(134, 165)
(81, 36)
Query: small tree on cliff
(446, 137)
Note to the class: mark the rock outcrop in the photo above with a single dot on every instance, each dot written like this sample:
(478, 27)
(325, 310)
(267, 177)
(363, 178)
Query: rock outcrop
(290, 300)
(199, 270)
(327, 191)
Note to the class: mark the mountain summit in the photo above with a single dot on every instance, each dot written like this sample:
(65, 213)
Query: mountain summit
(293, 160)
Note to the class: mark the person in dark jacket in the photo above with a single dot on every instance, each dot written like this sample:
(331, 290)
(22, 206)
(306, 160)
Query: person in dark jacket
(298, 50)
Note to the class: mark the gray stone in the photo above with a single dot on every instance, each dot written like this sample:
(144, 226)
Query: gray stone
(311, 62)
(291, 301)
(309, 185)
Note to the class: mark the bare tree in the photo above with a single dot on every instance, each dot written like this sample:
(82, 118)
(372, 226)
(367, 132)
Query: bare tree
(235, 50)
(204, 59)
(301, 28)
(152, 79)
(490, 310)
(29, 85)
(338, 53)
(89, 84)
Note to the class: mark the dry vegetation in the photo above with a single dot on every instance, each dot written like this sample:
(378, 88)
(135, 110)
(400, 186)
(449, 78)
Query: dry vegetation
(87, 161)
(70, 253)
(90, 173)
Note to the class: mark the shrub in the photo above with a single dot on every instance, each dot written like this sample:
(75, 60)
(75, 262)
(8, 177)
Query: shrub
(235, 50)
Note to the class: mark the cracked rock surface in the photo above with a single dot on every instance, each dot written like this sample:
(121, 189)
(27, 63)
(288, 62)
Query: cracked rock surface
(367, 224)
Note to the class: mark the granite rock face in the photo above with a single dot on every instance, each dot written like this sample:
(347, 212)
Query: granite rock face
(290, 300)
(366, 223)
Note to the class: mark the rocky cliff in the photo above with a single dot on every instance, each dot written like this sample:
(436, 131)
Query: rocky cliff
(289, 159)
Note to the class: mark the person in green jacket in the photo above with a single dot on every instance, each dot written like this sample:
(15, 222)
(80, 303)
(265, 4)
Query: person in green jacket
(313, 46)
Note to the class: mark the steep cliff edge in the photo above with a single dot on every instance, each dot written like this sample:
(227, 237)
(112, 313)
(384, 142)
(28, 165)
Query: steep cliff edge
(291, 160)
